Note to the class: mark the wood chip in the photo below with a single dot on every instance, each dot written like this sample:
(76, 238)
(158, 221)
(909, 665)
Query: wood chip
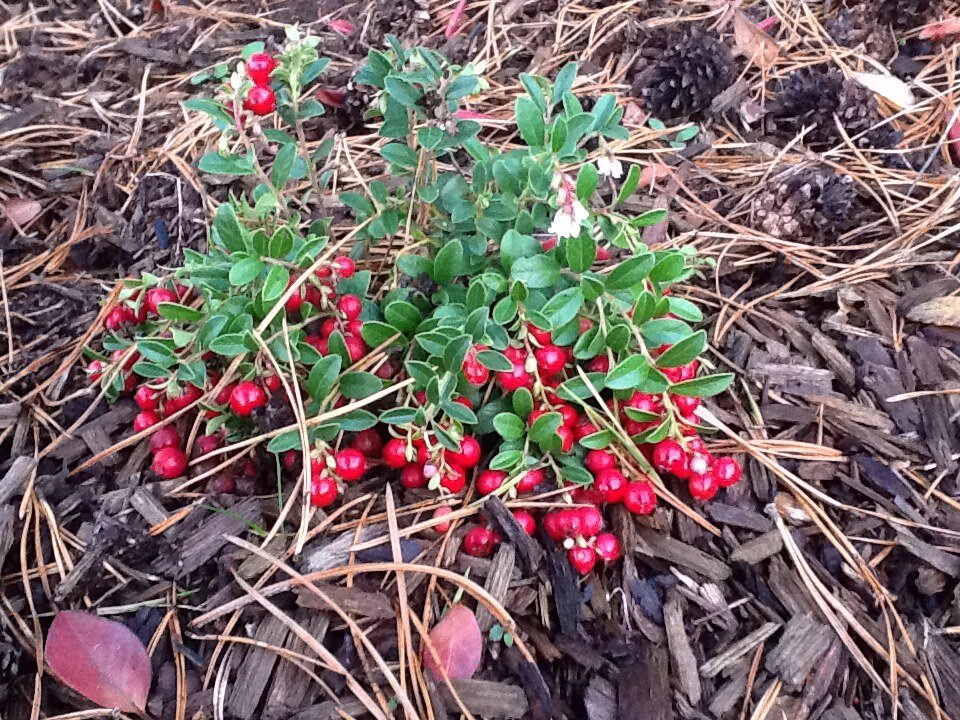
(255, 668)
(600, 699)
(715, 665)
(942, 561)
(485, 698)
(350, 599)
(498, 582)
(16, 478)
(654, 543)
(643, 686)
(759, 548)
(201, 544)
(803, 643)
(681, 654)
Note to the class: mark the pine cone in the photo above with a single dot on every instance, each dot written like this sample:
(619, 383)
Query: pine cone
(813, 95)
(857, 27)
(686, 79)
(808, 203)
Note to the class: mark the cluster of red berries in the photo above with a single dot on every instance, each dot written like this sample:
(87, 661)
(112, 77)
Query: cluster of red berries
(348, 465)
(421, 460)
(704, 474)
(260, 99)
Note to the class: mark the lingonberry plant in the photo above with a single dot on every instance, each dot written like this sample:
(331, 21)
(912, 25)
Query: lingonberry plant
(525, 339)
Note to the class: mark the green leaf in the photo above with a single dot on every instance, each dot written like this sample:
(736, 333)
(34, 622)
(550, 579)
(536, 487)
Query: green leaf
(226, 164)
(430, 137)
(684, 309)
(627, 373)
(706, 386)
(245, 271)
(289, 440)
(576, 474)
(403, 315)
(448, 261)
(504, 311)
(664, 331)
(688, 133)
(529, 121)
(495, 361)
(684, 351)
(322, 376)
(587, 180)
(650, 217)
(212, 109)
(522, 402)
(539, 271)
(461, 86)
(564, 306)
(282, 165)
(629, 273)
(629, 184)
(356, 421)
(597, 440)
(668, 268)
(375, 333)
(509, 426)
(581, 251)
(403, 92)
(514, 246)
(399, 154)
(421, 372)
(358, 203)
(229, 345)
(533, 90)
(545, 427)
(455, 352)
(275, 284)
(577, 389)
(398, 416)
(506, 460)
(459, 412)
(563, 82)
(251, 49)
(175, 311)
(358, 385)
(227, 230)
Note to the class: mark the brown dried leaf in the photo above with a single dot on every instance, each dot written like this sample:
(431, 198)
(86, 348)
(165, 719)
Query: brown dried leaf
(754, 43)
(939, 311)
(20, 211)
(100, 659)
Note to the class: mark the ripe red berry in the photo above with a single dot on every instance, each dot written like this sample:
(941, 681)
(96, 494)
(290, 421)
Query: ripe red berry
(550, 359)
(639, 498)
(164, 437)
(553, 526)
(566, 438)
(144, 419)
(516, 378)
(271, 382)
(601, 364)
(155, 296)
(222, 484)
(368, 442)
(344, 266)
(525, 520)
(726, 470)
(349, 306)
(395, 453)
(169, 463)
(350, 464)
(548, 243)
(607, 547)
(323, 491)
(468, 455)
(703, 487)
(208, 443)
(259, 66)
(114, 318)
(355, 347)
(684, 404)
(187, 394)
(541, 336)
(479, 542)
(568, 415)
(454, 479)
(146, 398)
(411, 476)
(260, 100)
(669, 456)
(581, 559)
(246, 397)
(699, 463)
(489, 481)
(535, 415)
(95, 370)
(611, 485)
(294, 302)
(353, 327)
(529, 480)
(569, 523)
(591, 521)
(438, 513)
(599, 460)
(475, 373)
(583, 428)
(386, 370)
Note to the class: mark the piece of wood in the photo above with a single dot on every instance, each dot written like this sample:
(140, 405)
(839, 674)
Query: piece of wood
(528, 550)
(656, 544)
(150, 509)
(738, 649)
(16, 478)
(350, 599)
(200, 544)
(942, 561)
(643, 686)
(738, 517)
(292, 688)
(804, 642)
(255, 668)
(485, 698)
(682, 659)
(497, 582)
(600, 699)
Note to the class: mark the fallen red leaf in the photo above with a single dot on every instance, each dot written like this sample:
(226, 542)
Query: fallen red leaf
(652, 172)
(939, 30)
(100, 659)
(344, 27)
(458, 645)
(768, 24)
(453, 24)
(471, 115)
(753, 43)
(331, 97)
(20, 211)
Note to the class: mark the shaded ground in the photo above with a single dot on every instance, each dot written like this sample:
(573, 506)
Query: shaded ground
(832, 571)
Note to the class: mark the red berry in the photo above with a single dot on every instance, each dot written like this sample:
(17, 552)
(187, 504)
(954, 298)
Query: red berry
(95, 370)
(583, 428)
(529, 480)
(323, 491)
(568, 415)
(246, 397)
(163, 438)
(327, 327)
(259, 66)
(703, 487)
(591, 521)
(479, 542)
(395, 453)
(454, 479)
(475, 373)
(169, 463)
(343, 266)
(684, 404)
(411, 476)
(569, 523)
(469, 454)
(438, 513)
(548, 243)
(208, 443)
(353, 327)
(290, 460)
(535, 415)
(349, 306)
(550, 359)
(368, 442)
(423, 452)
(601, 364)
(699, 463)
(350, 464)
(489, 481)
(518, 377)
(222, 484)
(144, 419)
(566, 438)
(640, 499)
(726, 470)
(260, 100)
(312, 295)
(294, 302)
(541, 336)
(146, 398)
(114, 318)
(553, 526)
(599, 460)
(611, 485)
(355, 347)
(154, 296)
(386, 370)
(584, 324)
(607, 547)
(188, 394)
(581, 559)
(525, 520)
(602, 254)
(223, 397)
(271, 382)
(669, 456)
